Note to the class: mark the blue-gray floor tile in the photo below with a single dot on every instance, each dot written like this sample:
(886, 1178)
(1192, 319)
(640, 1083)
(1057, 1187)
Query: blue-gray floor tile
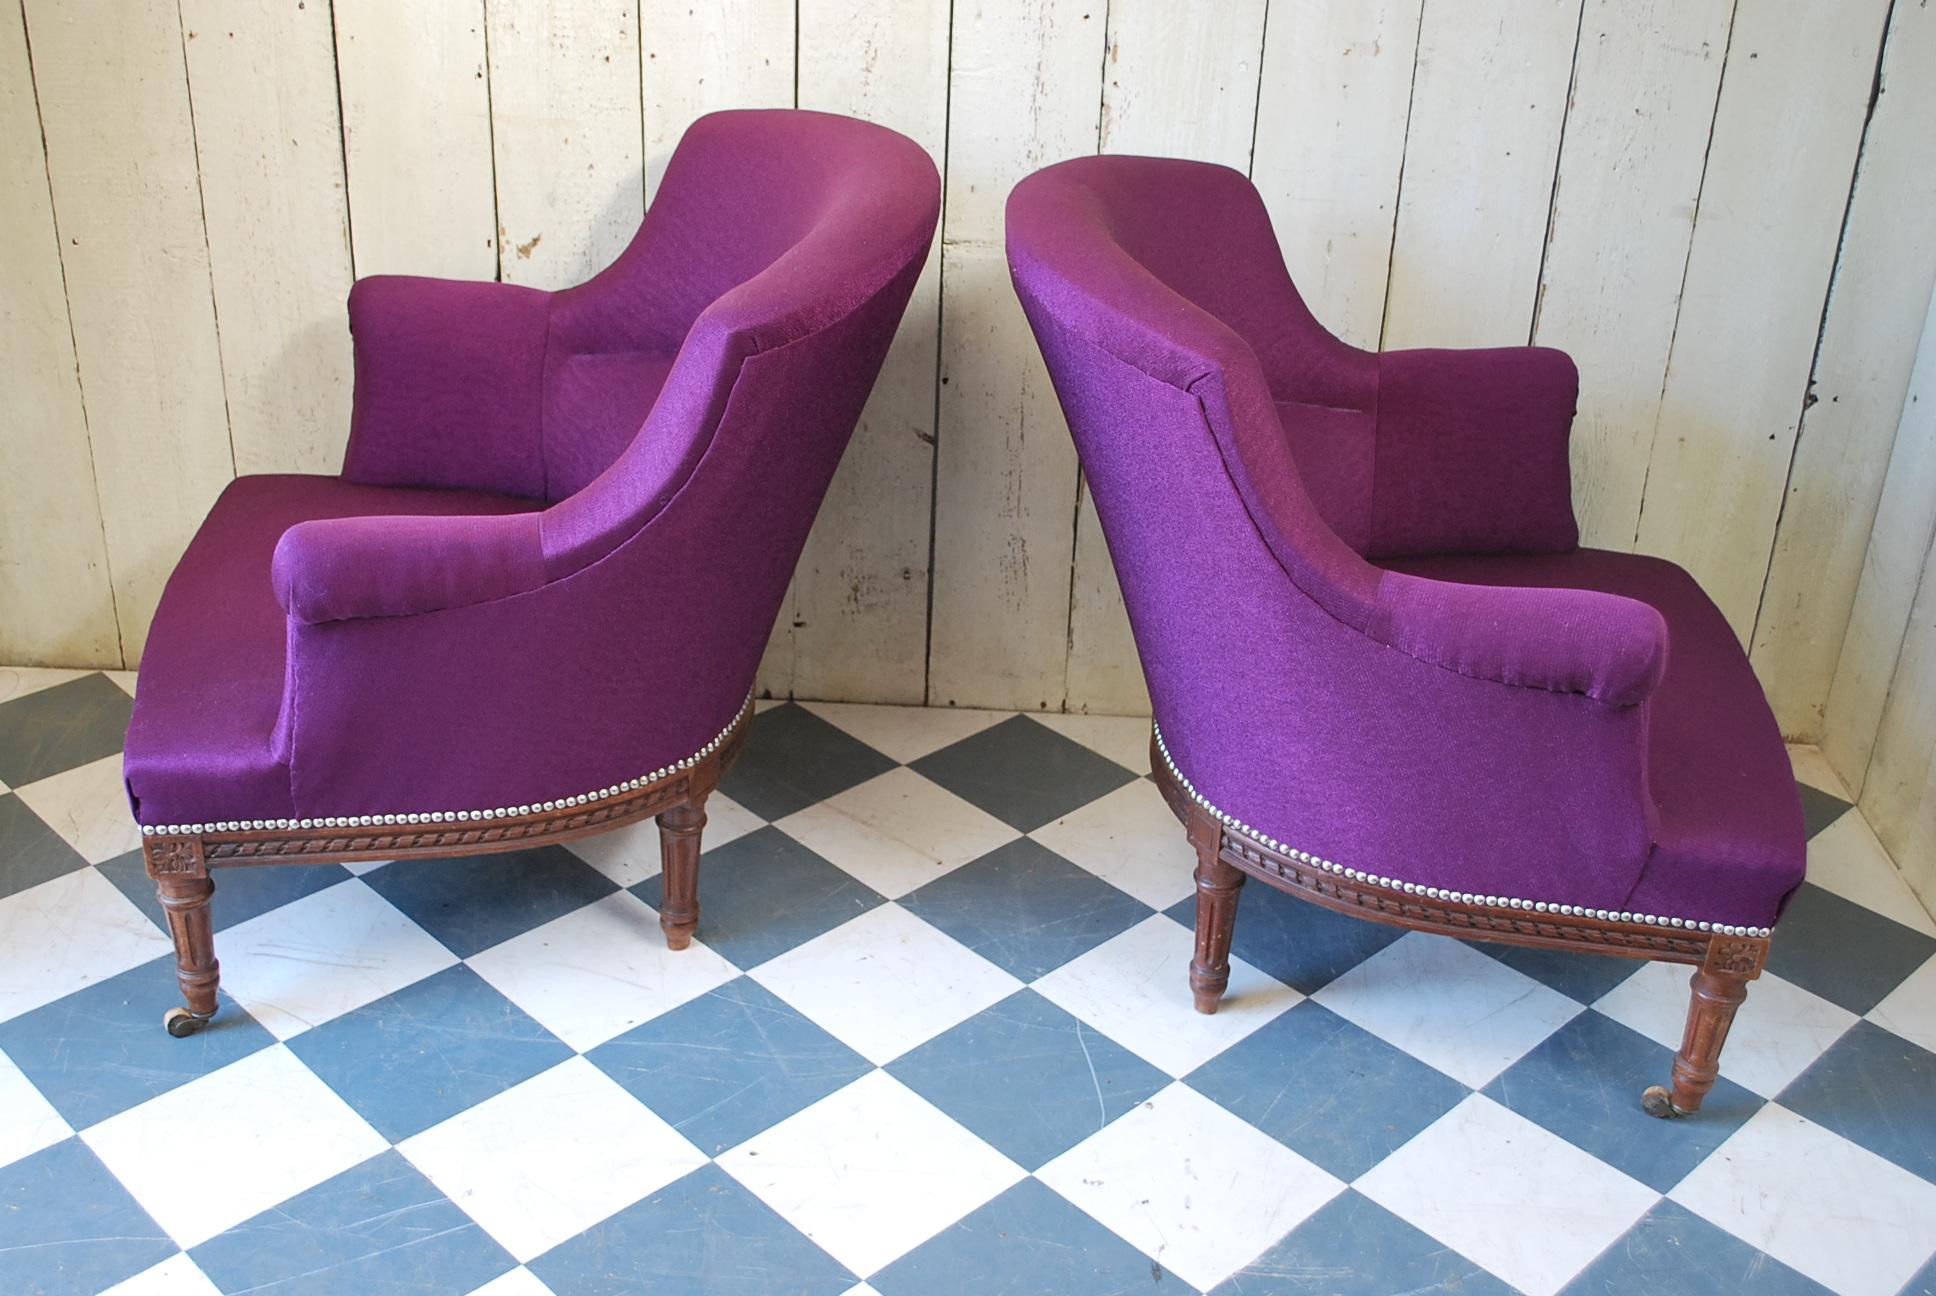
(703, 1235)
(102, 1050)
(1351, 1246)
(473, 903)
(1330, 1091)
(1028, 1078)
(793, 758)
(1673, 1252)
(1028, 1241)
(377, 1229)
(1875, 1088)
(241, 893)
(60, 728)
(728, 1064)
(1023, 772)
(30, 851)
(1026, 909)
(427, 1052)
(1820, 809)
(1584, 1081)
(762, 894)
(1844, 952)
(1580, 976)
(1304, 945)
(67, 1225)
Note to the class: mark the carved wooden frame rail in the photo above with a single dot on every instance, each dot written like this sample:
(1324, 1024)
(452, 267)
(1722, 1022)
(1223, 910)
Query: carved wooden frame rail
(1724, 962)
(180, 863)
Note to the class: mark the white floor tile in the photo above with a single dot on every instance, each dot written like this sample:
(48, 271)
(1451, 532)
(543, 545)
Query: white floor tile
(1777, 1034)
(1197, 1190)
(1129, 839)
(66, 934)
(1123, 739)
(1910, 1009)
(1466, 1014)
(1526, 1204)
(175, 1276)
(897, 831)
(885, 982)
(206, 1156)
(871, 1171)
(547, 1159)
(19, 681)
(88, 807)
(630, 855)
(318, 957)
(1135, 988)
(1846, 858)
(1812, 767)
(517, 1282)
(1845, 1217)
(600, 970)
(28, 1122)
(906, 733)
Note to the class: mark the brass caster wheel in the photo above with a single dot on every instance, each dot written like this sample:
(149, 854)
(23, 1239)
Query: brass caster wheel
(1657, 1101)
(182, 1023)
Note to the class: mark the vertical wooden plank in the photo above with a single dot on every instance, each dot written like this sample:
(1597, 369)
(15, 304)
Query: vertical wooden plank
(1623, 214)
(262, 79)
(695, 59)
(56, 603)
(128, 209)
(1899, 794)
(1487, 106)
(857, 621)
(1896, 558)
(1180, 81)
(566, 136)
(417, 137)
(1337, 93)
(1751, 308)
(1025, 90)
(1882, 282)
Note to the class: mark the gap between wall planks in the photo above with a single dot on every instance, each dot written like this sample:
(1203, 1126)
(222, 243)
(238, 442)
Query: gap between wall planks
(1617, 202)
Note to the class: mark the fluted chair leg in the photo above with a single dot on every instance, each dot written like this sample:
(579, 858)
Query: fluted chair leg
(1718, 992)
(1218, 885)
(679, 830)
(185, 899)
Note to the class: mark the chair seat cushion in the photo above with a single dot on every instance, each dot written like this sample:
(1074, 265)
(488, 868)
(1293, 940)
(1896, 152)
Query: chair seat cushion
(202, 744)
(1730, 838)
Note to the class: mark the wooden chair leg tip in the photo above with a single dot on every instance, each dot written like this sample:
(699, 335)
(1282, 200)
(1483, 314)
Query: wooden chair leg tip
(677, 938)
(1658, 1101)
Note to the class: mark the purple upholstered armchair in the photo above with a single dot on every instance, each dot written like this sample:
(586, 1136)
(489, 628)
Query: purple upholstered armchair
(532, 605)
(1386, 678)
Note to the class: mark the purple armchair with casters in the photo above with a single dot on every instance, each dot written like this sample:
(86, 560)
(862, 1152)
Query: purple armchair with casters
(532, 605)
(1385, 676)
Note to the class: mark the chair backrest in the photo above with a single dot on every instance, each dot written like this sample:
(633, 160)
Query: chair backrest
(772, 230)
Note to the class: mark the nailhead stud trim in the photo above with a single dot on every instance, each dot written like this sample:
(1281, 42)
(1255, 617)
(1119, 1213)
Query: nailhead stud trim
(1436, 893)
(455, 816)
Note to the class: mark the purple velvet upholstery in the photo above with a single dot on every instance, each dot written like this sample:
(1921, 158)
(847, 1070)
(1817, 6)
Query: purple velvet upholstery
(565, 521)
(1355, 584)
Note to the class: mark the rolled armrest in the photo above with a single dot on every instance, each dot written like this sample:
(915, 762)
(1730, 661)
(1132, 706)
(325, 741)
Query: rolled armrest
(449, 384)
(340, 569)
(1604, 646)
(1471, 452)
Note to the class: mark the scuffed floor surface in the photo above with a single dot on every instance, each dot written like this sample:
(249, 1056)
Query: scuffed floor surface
(934, 1037)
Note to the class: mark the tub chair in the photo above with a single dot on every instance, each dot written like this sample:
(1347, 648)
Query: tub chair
(1385, 676)
(532, 604)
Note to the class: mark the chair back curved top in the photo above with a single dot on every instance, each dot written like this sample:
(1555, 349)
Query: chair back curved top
(1286, 514)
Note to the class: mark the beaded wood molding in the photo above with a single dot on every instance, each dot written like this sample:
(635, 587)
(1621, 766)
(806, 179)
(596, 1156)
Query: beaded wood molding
(1737, 949)
(178, 849)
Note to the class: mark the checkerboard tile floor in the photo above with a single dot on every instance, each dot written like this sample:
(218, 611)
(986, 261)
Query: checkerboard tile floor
(934, 1037)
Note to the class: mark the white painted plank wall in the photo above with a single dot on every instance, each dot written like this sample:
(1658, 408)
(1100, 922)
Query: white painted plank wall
(56, 601)
(856, 620)
(699, 58)
(128, 210)
(566, 136)
(1488, 102)
(1884, 278)
(1757, 275)
(1025, 87)
(1332, 112)
(262, 79)
(1644, 87)
(417, 137)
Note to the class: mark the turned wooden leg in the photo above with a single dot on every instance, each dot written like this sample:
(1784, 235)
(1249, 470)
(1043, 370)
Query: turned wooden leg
(186, 900)
(1720, 985)
(1218, 883)
(679, 830)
